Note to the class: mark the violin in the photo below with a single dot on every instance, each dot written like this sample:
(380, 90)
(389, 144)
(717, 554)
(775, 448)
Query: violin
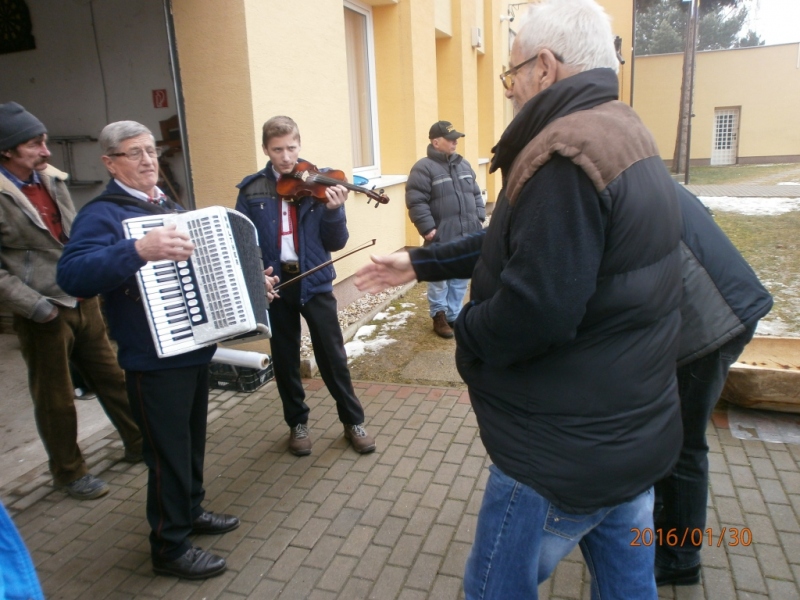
(306, 180)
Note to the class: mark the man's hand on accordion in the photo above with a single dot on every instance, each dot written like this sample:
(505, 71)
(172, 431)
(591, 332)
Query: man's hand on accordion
(164, 243)
(270, 282)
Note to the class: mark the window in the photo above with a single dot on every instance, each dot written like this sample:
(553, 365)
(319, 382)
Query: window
(361, 80)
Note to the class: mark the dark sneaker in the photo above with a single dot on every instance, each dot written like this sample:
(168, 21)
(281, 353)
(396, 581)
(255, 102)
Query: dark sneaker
(210, 523)
(299, 440)
(687, 576)
(440, 326)
(87, 487)
(196, 563)
(361, 440)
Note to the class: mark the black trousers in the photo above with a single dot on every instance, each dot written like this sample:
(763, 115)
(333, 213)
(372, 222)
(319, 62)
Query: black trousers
(171, 408)
(326, 337)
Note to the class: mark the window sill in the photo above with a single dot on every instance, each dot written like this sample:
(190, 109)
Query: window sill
(386, 181)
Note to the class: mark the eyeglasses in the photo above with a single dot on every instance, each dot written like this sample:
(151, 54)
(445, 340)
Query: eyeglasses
(507, 77)
(136, 154)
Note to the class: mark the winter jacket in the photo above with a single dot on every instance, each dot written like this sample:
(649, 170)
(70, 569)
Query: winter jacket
(29, 252)
(99, 259)
(722, 295)
(569, 342)
(442, 193)
(18, 580)
(320, 230)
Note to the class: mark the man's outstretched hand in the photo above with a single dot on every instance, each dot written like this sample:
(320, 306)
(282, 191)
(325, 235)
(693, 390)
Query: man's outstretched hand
(385, 272)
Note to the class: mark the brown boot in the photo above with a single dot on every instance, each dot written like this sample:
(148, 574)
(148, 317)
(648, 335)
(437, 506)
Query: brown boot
(299, 440)
(363, 443)
(441, 327)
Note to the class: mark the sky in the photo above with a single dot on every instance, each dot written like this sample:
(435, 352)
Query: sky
(776, 21)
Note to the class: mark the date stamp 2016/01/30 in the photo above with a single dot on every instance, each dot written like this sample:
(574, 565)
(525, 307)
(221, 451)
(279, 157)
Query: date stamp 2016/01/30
(692, 537)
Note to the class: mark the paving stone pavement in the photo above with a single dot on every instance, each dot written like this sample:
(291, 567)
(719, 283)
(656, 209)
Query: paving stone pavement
(394, 524)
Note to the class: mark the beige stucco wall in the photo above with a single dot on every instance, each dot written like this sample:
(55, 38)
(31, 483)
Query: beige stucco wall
(238, 69)
(404, 44)
(492, 103)
(764, 82)
(258, 58)
(443, 17)
(621, 13)
(215, 73)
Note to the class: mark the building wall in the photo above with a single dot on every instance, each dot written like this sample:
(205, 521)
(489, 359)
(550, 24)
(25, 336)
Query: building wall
(405, 42)
(213, 57)
(266, 57)
(764, 82)
(621, 13)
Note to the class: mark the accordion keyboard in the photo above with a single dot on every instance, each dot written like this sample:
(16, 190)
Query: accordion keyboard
(194, 303)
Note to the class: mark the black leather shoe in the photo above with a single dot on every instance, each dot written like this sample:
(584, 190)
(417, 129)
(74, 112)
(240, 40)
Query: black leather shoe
(687, 576)
(213, 524)
(196, 563)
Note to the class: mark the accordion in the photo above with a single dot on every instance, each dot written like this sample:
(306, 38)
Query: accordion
(216, 295)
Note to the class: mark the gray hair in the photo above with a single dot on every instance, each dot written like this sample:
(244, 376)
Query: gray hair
(577, 30)
(114, 134)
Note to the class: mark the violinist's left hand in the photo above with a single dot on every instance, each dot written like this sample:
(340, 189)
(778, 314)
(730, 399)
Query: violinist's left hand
(336, 195)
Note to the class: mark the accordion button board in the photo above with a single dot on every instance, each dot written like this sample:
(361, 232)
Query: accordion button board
(216, 295)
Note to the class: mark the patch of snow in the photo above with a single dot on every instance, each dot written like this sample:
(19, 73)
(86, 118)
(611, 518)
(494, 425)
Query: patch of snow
(789, 183)
(397, 321)
(357, 347)
(360, 345)
(365, 331)
(772, 327)
(752, 206)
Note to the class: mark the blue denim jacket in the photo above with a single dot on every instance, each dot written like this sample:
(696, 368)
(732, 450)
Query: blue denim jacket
(321, 231)
(18, 580)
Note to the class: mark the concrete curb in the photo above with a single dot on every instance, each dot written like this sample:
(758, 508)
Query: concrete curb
(308, 366)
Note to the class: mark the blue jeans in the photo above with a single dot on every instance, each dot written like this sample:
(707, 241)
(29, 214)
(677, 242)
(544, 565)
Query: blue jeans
(447, 296)
(681, 496)
(521, 537)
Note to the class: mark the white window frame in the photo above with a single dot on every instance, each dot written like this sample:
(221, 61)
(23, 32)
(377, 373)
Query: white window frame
(374, 170)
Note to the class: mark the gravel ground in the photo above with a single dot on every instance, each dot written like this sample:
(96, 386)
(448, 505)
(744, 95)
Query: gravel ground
(350, 314)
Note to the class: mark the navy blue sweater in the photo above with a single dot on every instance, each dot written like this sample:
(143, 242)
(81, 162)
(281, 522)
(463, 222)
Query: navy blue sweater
(98, 259)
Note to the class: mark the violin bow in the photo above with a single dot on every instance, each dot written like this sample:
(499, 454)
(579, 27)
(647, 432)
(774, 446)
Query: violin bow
(323, 265)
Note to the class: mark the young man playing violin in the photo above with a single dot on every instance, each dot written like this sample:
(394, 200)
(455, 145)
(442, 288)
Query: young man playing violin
(296, 236)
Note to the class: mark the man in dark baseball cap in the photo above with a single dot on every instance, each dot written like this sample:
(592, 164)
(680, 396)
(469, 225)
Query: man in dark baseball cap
(444, 129)
(450, 209)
